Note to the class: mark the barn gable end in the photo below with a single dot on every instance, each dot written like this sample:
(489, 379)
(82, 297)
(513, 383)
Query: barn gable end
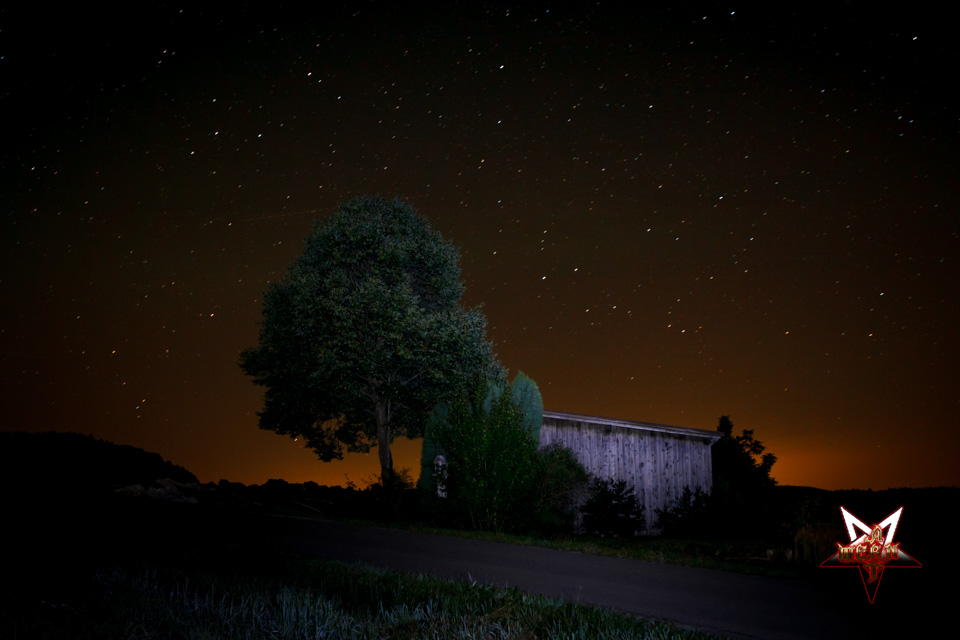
(657, 460)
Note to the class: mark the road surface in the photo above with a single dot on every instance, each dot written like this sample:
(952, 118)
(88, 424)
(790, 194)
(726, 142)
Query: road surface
(833, 606)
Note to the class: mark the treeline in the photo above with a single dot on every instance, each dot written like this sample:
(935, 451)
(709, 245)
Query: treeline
(55, 464)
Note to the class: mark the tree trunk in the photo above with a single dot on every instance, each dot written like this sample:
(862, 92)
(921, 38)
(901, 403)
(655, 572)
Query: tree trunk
(383, 445)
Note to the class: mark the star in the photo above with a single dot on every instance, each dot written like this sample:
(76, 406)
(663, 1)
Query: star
(872, 551)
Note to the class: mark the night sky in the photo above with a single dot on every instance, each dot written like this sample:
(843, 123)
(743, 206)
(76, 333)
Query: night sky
(668, 215)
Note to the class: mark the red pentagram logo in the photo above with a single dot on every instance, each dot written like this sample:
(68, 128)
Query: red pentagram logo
(872, 551)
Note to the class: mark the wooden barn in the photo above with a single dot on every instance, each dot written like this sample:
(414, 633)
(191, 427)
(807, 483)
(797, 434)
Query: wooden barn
(657, 460)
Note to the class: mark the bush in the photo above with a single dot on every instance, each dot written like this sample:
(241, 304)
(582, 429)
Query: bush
(559, 483)
(490, 460)
(525, 397)
(687, 517)
(612, 510)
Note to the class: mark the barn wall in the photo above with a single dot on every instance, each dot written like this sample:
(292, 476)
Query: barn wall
(657, 464)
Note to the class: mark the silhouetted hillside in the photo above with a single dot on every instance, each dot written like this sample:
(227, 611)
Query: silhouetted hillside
(70, 463)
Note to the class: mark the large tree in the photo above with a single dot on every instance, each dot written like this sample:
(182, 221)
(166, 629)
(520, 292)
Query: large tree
(740, 461)
(366, 333)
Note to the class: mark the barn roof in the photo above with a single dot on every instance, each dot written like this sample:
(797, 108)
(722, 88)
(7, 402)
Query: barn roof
(712, 436)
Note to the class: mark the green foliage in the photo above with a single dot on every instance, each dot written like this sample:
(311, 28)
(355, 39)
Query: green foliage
(559, 481)
(612, 510)
(526, 396)
(522, 392)
(365, 334)
(490, 458)
(688, 517)
(493, 475)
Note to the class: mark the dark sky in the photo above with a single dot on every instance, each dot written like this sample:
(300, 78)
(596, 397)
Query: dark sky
(669, 215)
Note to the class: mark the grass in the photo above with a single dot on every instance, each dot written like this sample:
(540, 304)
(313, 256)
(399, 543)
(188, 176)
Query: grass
(292, 597)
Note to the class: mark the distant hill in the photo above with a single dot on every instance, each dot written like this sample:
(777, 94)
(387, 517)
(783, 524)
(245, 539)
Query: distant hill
(75, 463)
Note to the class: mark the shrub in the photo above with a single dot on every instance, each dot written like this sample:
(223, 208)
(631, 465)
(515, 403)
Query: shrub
(687, 517)
(612, 510)
(490, 460)
(559, 484)
(523, 394)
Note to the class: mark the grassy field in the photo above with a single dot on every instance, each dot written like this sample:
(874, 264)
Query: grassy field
(294, 597)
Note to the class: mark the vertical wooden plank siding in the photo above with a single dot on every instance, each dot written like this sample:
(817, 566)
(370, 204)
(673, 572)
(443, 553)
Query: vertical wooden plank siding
(658, 461)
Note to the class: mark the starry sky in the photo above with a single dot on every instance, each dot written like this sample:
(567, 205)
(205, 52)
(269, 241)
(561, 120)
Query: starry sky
(668, 214)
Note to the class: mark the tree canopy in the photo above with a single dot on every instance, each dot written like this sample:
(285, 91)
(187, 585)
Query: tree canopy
(740, 460)
(741, 469)
(365, 333)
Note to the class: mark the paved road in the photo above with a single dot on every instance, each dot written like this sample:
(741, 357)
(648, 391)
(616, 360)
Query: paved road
(714, 601)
